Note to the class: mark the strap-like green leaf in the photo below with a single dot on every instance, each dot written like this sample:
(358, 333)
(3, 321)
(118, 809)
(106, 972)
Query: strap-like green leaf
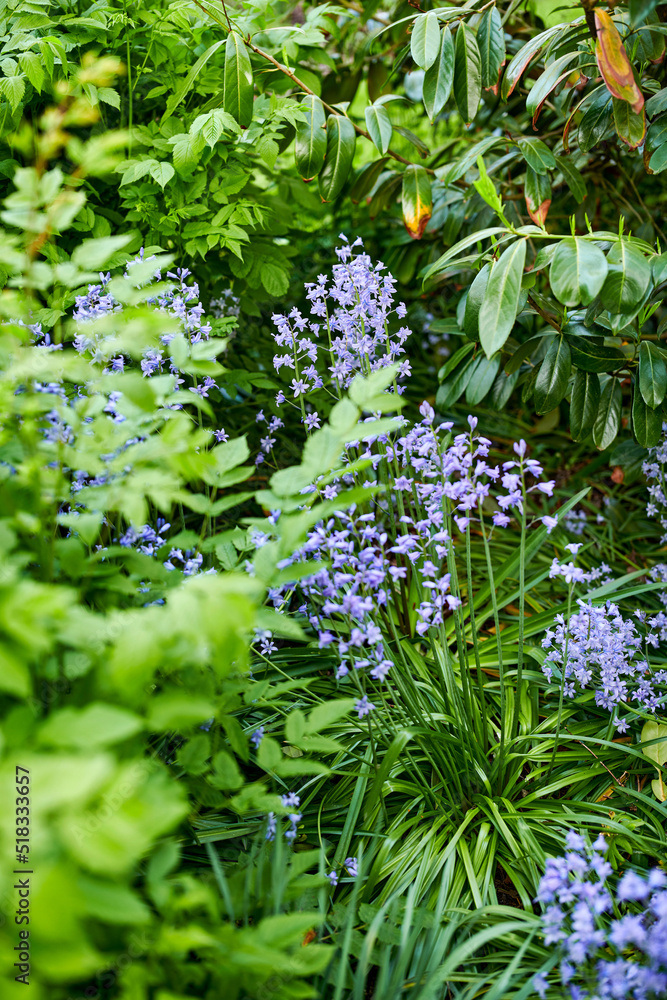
(425, 40)
(238, 80)
(584, 404)
(491, 42)
(311, 138)
(467, 73)
(551, 383)
(652, 375)
(646, 422)
(608, 418)
(501, 299)
(416, 199)
(341, 142)
(379, 126)
(439, 77)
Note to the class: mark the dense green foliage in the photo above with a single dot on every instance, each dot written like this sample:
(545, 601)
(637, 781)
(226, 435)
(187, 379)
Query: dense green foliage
(162, 678)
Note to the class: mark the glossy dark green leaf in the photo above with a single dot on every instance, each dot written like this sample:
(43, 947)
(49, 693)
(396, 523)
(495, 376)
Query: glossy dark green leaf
(608, 417)
(584, 404)
(593, 357)
(525, 351)
(482, 378)
(341, 141)
(467, 73)
(630, 125)
(385, 193)
(420, 146)
(537, 191)
(425, 40)
(551, 383)
(529, 385)
(474, 302)
(646, 422)
(501, 299)
(639, 9)
(502, 389)
(573, 177)
(311, 138)
(596, 120)
(439, 77)
(554, 74)
(365, 180)
(537, 154)
(379, 126)
(523, 58)
(491, 42)
(628, 277)
(578, 271)
(454, 385)
(238, 90)
(416, 200)
(652, 374)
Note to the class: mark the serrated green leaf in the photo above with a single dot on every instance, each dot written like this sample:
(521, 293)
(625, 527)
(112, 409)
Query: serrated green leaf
(467, 73)
(584, 404)
(501, 298)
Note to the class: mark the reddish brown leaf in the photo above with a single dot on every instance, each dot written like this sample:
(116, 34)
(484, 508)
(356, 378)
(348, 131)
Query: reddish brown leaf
(617, 475)
(614, 64)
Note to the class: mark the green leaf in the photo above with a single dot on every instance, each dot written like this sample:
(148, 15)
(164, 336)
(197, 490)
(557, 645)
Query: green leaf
(379, 126)
(31, 65)
(474, 302)
(491, 42)
(596, 120)
(554, 74)
(439, 77)
(573, 177)
(109, 96)
(578, 271)
(238, 81)
(94, 254)
(13, 88)
(608, 418)
(501, 299)
(630, 126)
(554, 374)
(425, 40)
(523, 57)
(341, 142)
(455, 384)
(186, 86)
(97, 725)
(311, 138)
(646, 422)
(652, 374)
(365, 180)
(537, 155)
(482, 378)
(629, 274)
(537, 192)
(324, 715)
(416, 200)
(467, 73)
(593, 357)
(162, 173)
(584, 404)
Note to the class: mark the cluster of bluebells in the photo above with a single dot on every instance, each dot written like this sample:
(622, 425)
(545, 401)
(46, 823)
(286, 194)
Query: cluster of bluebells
(290, 801)
(348, 331)
(352, 867)
(599, 649)
(612, 944)
(573, 574)
(655, 471)
(432, 483)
